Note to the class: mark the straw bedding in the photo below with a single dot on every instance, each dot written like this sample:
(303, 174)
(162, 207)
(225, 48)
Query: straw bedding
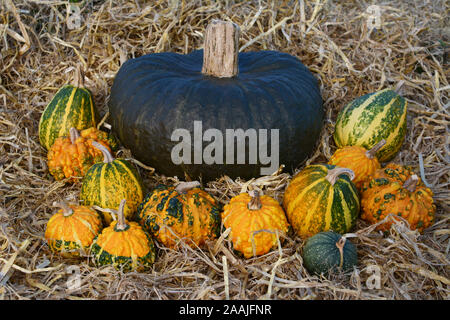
(408, 52)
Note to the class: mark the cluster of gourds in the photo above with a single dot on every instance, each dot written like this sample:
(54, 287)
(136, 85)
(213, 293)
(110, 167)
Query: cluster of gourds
(320, 203)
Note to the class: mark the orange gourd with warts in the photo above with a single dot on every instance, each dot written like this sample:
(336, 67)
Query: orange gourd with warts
(255, 222)
(396, 190)
(72, 156)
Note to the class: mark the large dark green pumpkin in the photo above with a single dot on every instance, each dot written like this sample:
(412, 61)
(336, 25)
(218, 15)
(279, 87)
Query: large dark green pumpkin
(157, 93)
(322, 255)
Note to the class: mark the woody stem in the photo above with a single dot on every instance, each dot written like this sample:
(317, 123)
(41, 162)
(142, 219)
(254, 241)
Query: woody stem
(411, 183)
(255, 202)
(107, 156)
(371, 153)
(67, 211)
(334, 174)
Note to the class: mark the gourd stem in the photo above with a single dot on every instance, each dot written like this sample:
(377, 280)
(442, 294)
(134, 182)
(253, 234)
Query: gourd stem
(340, 245)
(255, 202)
(107, 156)
(371, 153)
(334, 174)
(78, 79)
(67, 211)
(411, 183)
(121, 224)
(221, 49)
(74, 134)
(184, 187)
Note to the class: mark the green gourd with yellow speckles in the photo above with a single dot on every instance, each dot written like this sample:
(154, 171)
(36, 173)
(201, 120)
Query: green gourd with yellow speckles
(185, 213)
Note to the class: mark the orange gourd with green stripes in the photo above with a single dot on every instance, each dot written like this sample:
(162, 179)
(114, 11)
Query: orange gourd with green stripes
(361, 161)
(254, 221)
(182, 213)
(72, 106)
(370, 118)
(108, 181)
(71, 231)
(125, 245)
(71, 157)
(321, 198)
(396, 190)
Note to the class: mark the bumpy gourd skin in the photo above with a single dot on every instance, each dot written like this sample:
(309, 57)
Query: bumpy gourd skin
(70, 235)
(384, 194)
(70, 160)
(129, 249)
(193, 216)
(247, 225)
(355, 158)
(312, 204)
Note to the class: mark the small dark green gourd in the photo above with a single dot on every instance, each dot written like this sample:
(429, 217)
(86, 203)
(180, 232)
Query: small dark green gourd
(329, 251)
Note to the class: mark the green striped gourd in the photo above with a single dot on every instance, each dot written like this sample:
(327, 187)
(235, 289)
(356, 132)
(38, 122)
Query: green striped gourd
(72, 106)
(107, 182)
(321, 198)
(370, 118)
(329, 251)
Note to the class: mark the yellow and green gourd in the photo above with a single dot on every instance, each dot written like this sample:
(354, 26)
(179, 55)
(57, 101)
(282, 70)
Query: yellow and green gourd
(72, 106)
(106, 182)
(321, 198)
(370, 118)
(124, 245)
(72, 229)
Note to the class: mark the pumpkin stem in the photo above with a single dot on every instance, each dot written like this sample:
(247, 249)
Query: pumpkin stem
(371, 153)
(74, 134)
(184, 187)
(67, 211)
(107, 156)
(121, 224)
(255, 202)
(334, 174)
(78, 79)
(221, 49)
(340, 245)
(411, 183)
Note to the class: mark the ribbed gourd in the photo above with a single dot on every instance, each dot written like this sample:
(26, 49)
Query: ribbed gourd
(125, 245)
(370, 118)
(361, 161)
(110, 180)
(396, 190)
(71, 231)
(257, 223)
(160, 99)
(182, 213)
(71, 106)
(320, 198)
(327, 252)
(71, 157)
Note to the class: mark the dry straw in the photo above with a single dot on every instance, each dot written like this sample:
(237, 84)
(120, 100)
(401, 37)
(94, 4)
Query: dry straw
(408, 52)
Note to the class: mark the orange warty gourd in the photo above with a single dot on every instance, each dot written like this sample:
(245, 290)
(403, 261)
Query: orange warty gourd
(396, 190)
(361, 161)
(72, 229)
(71, 157)
(254, 221)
